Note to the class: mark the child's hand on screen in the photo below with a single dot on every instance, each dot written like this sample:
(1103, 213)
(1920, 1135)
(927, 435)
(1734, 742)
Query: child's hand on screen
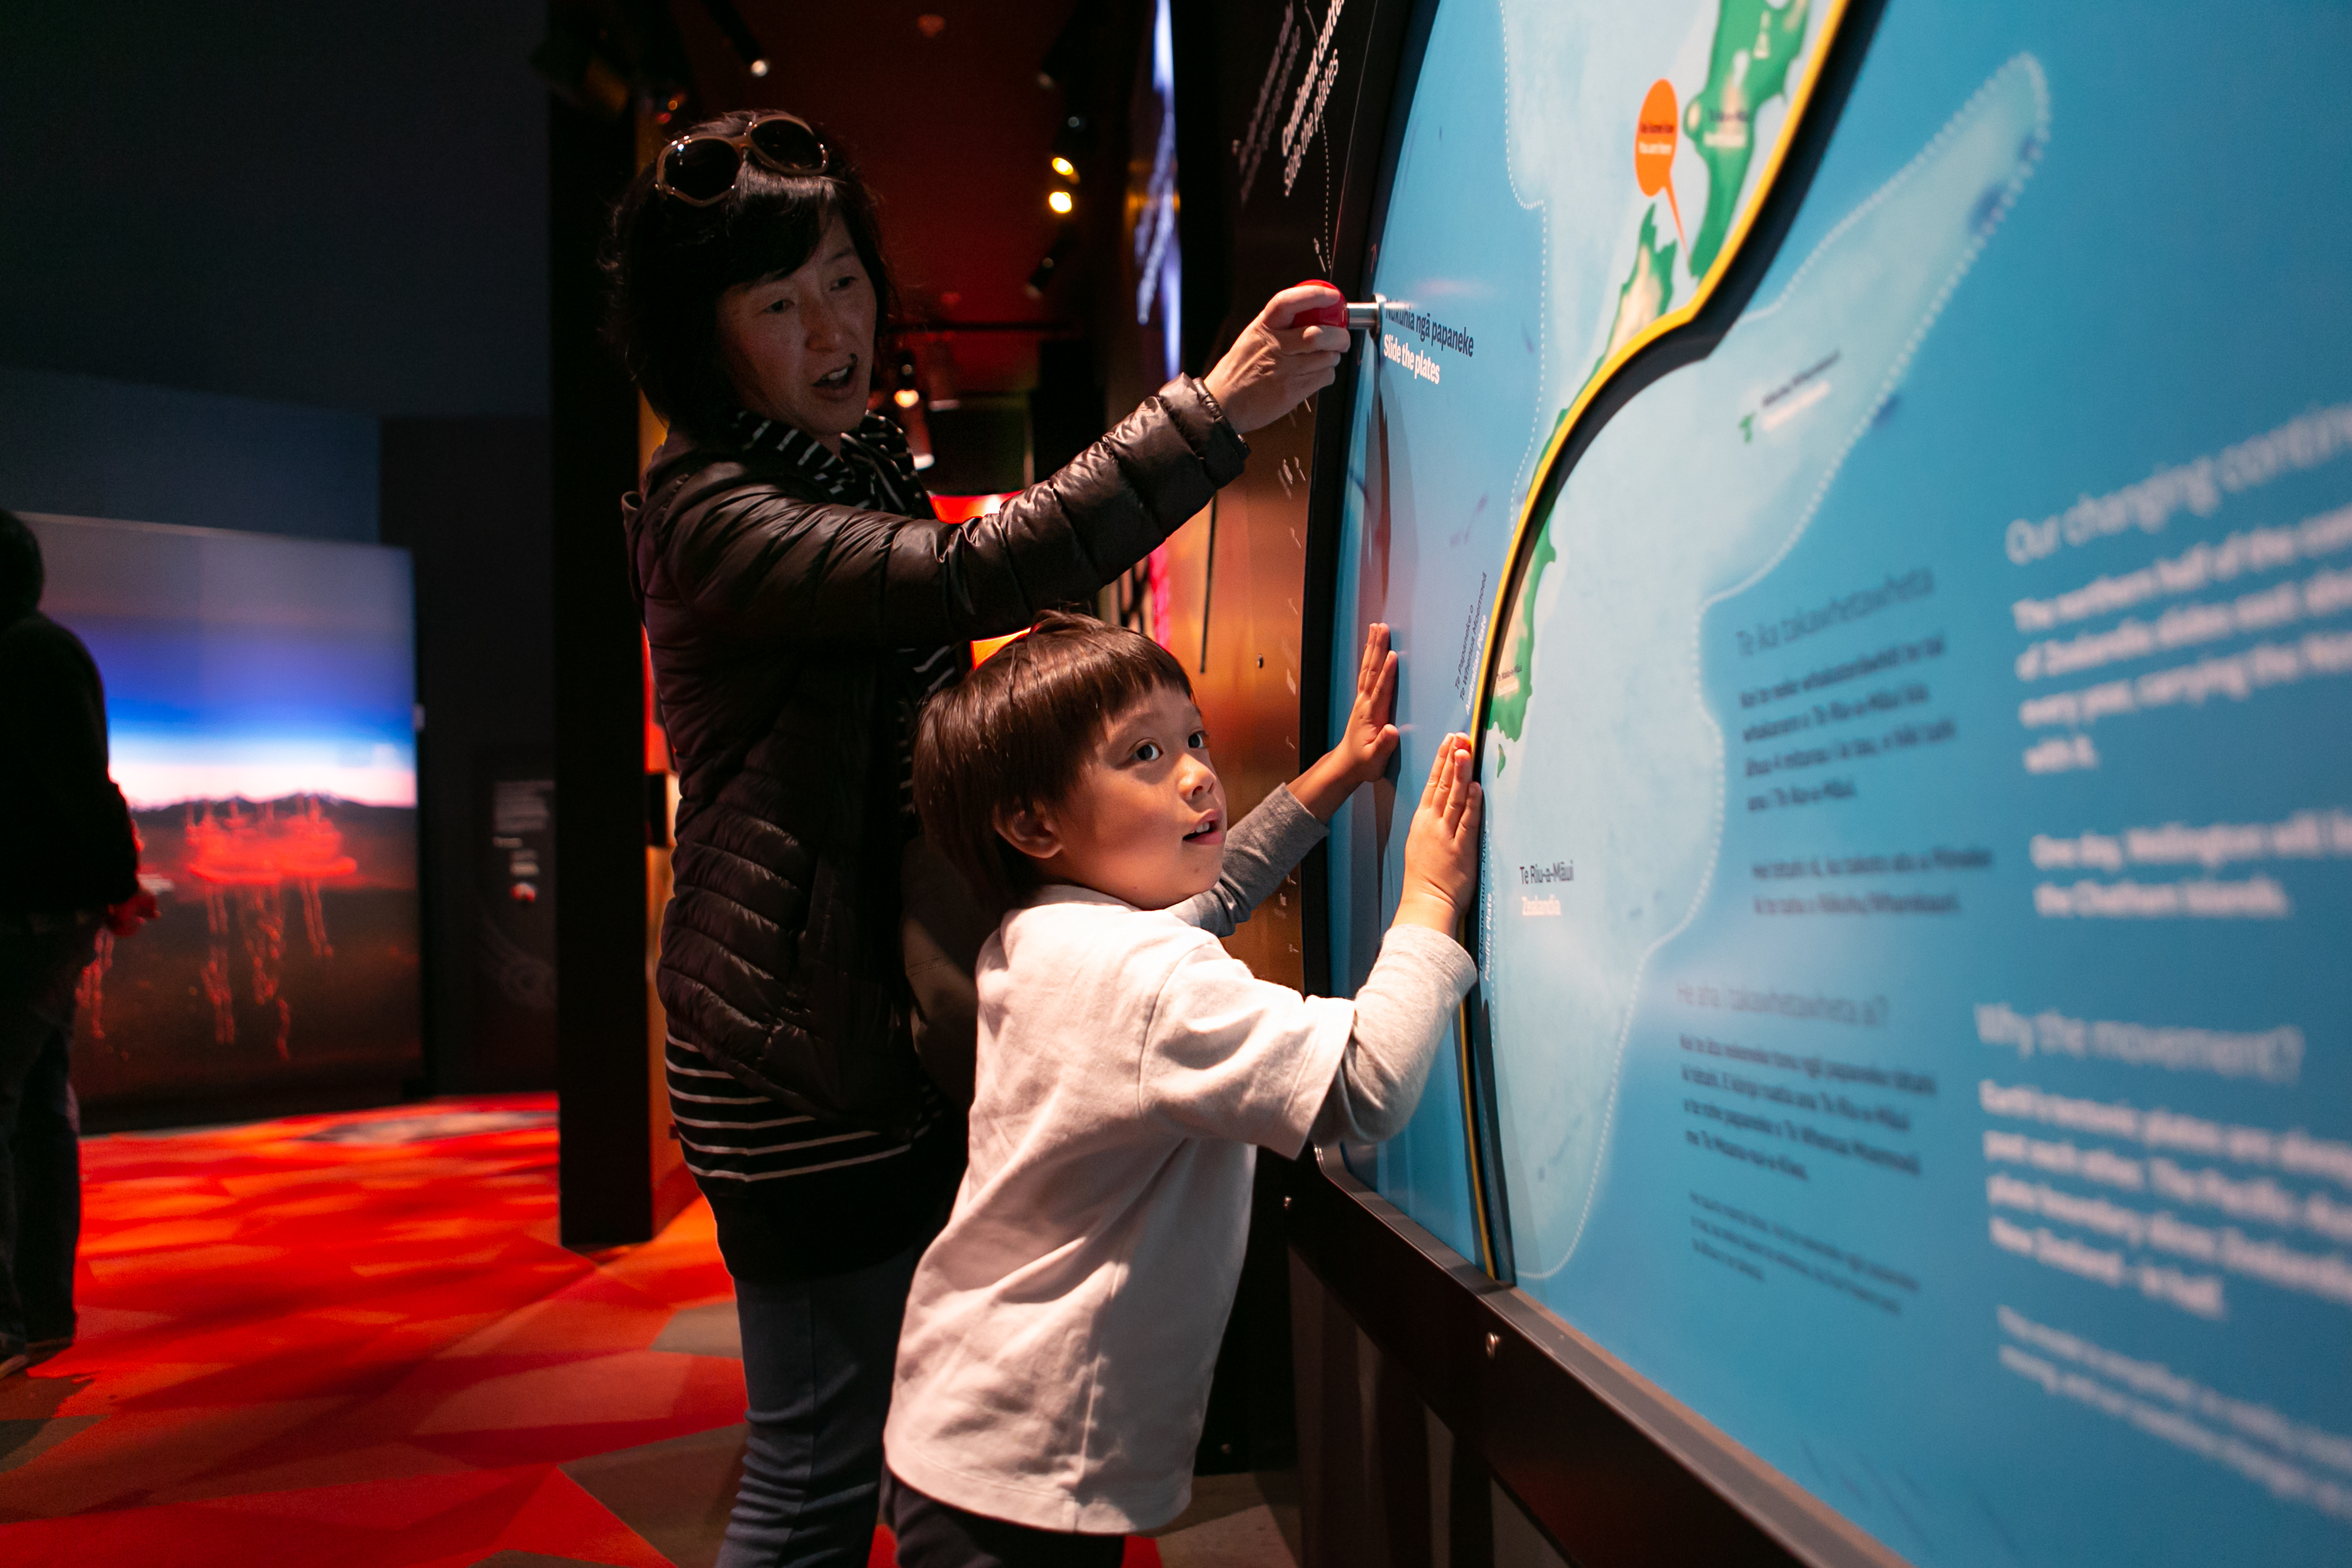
(1441, 851)
(1367, 742)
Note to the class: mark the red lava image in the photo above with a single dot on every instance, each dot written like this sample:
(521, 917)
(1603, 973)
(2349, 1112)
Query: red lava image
(217, 992)
(264, 848)
(252, 857)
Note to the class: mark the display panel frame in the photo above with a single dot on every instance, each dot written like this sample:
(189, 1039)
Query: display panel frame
(1613, 1468)
(1558, 489)
(1617, 1471)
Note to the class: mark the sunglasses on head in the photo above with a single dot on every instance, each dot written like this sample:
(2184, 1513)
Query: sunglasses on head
(700, 170)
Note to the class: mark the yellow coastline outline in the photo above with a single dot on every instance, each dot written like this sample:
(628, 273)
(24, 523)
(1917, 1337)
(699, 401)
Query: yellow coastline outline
(1800, 104)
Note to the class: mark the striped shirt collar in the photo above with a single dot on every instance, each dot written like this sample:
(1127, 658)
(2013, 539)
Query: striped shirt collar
(873, 468)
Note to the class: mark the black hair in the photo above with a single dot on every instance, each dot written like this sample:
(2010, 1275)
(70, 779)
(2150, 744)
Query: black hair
(21, 573)
(1018, 732)
(667, 262)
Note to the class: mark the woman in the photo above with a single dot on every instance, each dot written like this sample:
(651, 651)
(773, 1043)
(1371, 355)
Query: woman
(802, 599)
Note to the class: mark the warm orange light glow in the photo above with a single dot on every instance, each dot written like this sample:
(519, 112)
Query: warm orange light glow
(982, 650)
(1065, 168)
(963, 508)
(1060, 202)
(906, 397)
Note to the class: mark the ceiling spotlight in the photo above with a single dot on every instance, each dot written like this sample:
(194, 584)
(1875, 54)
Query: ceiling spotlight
(1061, 203)
(1065, 168)
(759, 67)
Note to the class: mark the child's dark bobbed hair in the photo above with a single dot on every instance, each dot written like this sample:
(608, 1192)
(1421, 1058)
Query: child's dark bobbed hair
(1017, 733)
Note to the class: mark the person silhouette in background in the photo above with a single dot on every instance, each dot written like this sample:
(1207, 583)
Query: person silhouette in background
(69, 865)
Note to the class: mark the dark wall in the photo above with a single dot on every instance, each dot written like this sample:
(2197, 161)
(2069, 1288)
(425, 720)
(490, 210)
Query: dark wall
(341, 205)
(612, 1166)
(1383, 1483)
(92, 448)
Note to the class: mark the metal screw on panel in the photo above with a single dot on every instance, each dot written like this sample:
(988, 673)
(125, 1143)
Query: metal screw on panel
(1493, 1345)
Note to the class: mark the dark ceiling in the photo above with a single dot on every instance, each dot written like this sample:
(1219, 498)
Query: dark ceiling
(340, 205)
(348, 207)
(953, 130)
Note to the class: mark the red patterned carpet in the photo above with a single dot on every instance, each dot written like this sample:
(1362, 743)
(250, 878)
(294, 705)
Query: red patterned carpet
(353, 1341)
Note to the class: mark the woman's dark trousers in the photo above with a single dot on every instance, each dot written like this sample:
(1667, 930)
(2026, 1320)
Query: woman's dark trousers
(817, 1359)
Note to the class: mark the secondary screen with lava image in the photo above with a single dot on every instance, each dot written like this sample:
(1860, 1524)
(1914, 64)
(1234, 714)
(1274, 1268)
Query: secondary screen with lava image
(260, 712)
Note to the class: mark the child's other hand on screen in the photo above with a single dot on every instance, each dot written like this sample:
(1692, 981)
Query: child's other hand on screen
(1369, 739)
(1441, 851)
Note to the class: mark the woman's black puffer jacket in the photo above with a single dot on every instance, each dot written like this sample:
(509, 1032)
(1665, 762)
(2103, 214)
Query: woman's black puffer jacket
(776, 620)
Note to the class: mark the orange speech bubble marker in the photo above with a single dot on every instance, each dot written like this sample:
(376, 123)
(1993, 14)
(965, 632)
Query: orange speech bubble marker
(1654, 139)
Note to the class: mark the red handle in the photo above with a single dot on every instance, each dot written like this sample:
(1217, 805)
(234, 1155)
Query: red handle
(1322, 315)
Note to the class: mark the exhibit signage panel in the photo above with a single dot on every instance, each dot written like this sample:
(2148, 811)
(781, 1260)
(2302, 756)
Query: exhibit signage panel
(1913, 1031)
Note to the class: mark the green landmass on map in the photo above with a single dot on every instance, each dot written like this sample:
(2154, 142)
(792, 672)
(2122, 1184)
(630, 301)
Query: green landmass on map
(1647, 287)
(1755, 44)
(1514, 682)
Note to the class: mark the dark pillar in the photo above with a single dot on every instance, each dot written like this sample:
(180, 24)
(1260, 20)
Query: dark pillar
(602, 1069)
(468, 499)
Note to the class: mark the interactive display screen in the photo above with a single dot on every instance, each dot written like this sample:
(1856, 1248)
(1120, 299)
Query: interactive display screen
(1541, 224)
(260, 699)
(1914, 738)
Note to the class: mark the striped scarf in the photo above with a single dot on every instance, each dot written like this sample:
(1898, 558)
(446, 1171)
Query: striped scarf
(873, 468)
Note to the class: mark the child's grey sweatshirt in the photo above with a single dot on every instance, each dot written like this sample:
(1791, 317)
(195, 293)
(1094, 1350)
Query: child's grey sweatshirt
(1402, 1008)
(1054, 1364)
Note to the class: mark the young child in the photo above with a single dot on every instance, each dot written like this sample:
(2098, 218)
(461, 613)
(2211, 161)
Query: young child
(1054, 1366)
